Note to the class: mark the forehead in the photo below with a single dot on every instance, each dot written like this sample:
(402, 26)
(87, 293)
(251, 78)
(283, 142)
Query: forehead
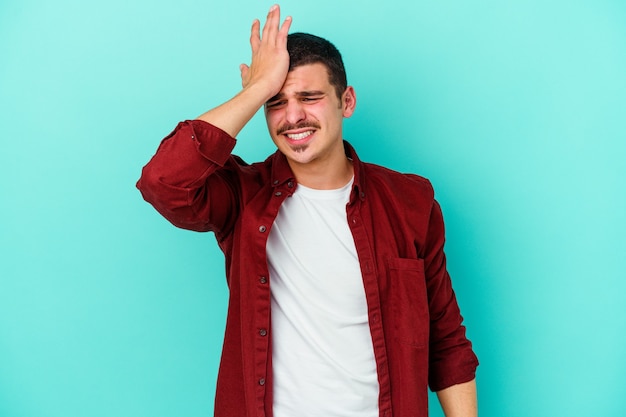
(305, 78)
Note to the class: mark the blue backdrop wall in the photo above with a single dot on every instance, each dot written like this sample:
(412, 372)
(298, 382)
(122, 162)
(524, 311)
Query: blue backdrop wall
(516, 110)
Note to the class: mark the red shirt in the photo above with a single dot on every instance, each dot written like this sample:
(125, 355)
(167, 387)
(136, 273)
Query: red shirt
(196, 183)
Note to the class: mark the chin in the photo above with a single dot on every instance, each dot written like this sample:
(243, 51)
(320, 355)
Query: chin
(300, 155)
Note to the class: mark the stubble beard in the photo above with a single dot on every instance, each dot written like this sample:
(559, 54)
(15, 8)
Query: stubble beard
(299, 148)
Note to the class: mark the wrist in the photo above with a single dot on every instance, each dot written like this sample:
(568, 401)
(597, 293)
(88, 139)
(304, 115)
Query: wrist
(260, 91)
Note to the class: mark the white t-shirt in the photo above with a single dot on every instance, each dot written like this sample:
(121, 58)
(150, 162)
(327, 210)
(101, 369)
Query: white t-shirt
(323, 358)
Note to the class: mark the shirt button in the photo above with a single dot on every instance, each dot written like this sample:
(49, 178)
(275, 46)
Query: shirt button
(263, 332)
(278, 194)
(263, 280)
(262, 229)
(290, 184)
(262, 381)
(276, 182)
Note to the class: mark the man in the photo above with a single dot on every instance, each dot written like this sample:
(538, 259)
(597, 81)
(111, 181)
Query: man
(340, 303)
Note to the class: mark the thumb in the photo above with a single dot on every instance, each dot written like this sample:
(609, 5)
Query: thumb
(244, 73)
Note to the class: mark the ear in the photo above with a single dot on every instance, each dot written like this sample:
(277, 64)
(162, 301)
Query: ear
(348, 101)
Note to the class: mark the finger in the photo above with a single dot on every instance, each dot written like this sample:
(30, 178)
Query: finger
(255, 39)
(271, 24)
(284, 31)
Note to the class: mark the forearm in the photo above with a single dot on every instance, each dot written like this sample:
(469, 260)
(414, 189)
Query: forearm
(459, 400)
(233, 115)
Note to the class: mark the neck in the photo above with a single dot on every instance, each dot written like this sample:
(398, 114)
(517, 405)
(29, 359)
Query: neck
(327, 175)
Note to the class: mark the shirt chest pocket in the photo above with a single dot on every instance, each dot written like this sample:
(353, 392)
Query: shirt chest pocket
(409, 301)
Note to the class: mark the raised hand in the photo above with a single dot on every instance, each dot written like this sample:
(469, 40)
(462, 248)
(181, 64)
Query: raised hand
(262, 80)
(270, 60)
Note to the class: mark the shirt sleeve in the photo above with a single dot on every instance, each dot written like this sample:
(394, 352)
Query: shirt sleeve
(186, 180)
(451, 358)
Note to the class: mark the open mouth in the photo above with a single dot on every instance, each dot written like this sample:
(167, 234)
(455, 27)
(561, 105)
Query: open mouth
(299, 136)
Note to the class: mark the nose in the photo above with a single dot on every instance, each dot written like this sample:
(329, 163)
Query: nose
(294, 112)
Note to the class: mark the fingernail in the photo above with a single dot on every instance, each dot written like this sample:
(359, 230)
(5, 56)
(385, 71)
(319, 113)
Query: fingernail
(274, 7)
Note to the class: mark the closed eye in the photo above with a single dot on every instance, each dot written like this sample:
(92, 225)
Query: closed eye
(304, 97)
(274, 104)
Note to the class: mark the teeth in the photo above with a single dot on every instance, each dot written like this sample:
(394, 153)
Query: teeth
(299, 136)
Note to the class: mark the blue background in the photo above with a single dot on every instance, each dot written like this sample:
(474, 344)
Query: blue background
(516, 110)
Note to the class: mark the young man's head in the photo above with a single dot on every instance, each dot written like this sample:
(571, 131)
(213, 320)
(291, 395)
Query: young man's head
(305, 118)
(306, 49)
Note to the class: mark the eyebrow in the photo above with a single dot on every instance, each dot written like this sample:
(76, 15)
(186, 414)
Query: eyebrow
(312, 93)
